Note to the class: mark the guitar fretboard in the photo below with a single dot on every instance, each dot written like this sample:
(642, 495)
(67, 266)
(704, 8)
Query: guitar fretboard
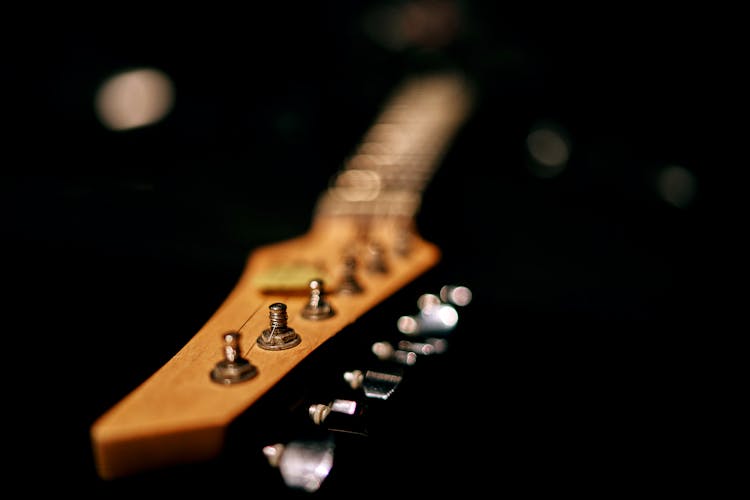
(396, 158)
(180, 414)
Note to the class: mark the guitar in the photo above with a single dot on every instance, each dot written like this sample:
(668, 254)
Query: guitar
(276, 327)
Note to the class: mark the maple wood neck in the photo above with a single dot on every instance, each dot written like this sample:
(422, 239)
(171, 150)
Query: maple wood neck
(391, 167)
(180, 414)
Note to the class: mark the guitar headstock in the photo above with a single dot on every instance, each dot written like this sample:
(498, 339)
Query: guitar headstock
(361, 408)
(296, 295)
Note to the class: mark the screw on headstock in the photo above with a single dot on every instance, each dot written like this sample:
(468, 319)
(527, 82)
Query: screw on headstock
(317, 307)
(233, 368)
(278, 335)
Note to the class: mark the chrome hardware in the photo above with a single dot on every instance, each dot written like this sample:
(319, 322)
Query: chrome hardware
(341, 416)
(278, 336)
(437, 314)
(426, 348)
(456, 295)
(319, 412)
(303, 464)
(386, 352)
(233, 368)
(440, 319)
(427, 300)
(317, 307)
(354, 378)
(349, 283)
(377, 385)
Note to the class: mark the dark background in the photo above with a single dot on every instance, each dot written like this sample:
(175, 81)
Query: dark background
(575, 366)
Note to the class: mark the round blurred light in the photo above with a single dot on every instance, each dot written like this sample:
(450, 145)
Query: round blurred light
(382, 350)
(427, 300)
(448, 316)
(549, 149)
(407, 325)
(677, 185)
(458, 295)
(134, 98)
(357, 185)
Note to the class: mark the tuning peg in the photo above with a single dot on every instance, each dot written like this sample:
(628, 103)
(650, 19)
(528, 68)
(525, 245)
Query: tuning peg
(458, 295)
(304, 464)
(317, 307)
(278, 335)
(428, 300)
(386, 352)
(349, 283)
(341, 415)
(319, 412)
(437, 314)
(375, 384)
(233, 368)
(429, 347)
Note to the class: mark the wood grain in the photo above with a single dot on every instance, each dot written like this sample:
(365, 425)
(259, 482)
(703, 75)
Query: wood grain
(179, 415)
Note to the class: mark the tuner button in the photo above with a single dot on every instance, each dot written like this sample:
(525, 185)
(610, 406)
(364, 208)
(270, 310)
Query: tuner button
(377, 385)
(278, 335)
(457, 295)
(427, 300)
(436, 319)
(317, 307)
(318, 412)
(340, 415)
(386, 352)
(426, 348)
(354, 378)
(303, 464)
(233, 368)
(273, 453)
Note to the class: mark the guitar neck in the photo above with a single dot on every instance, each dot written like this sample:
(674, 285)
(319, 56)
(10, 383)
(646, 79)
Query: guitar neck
(388, 172)
(180, 414)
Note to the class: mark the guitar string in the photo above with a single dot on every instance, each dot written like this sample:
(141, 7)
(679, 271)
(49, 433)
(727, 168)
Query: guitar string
(252, 315)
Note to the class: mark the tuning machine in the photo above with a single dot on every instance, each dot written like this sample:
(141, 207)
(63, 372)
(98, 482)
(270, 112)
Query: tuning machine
(303, 464)
(385, 351)
(374, 384)
(233, 368)
(340, 415)
(428, 347)
(438, 314)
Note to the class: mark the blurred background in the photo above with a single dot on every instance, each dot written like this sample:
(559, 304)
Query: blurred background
(146, 154)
